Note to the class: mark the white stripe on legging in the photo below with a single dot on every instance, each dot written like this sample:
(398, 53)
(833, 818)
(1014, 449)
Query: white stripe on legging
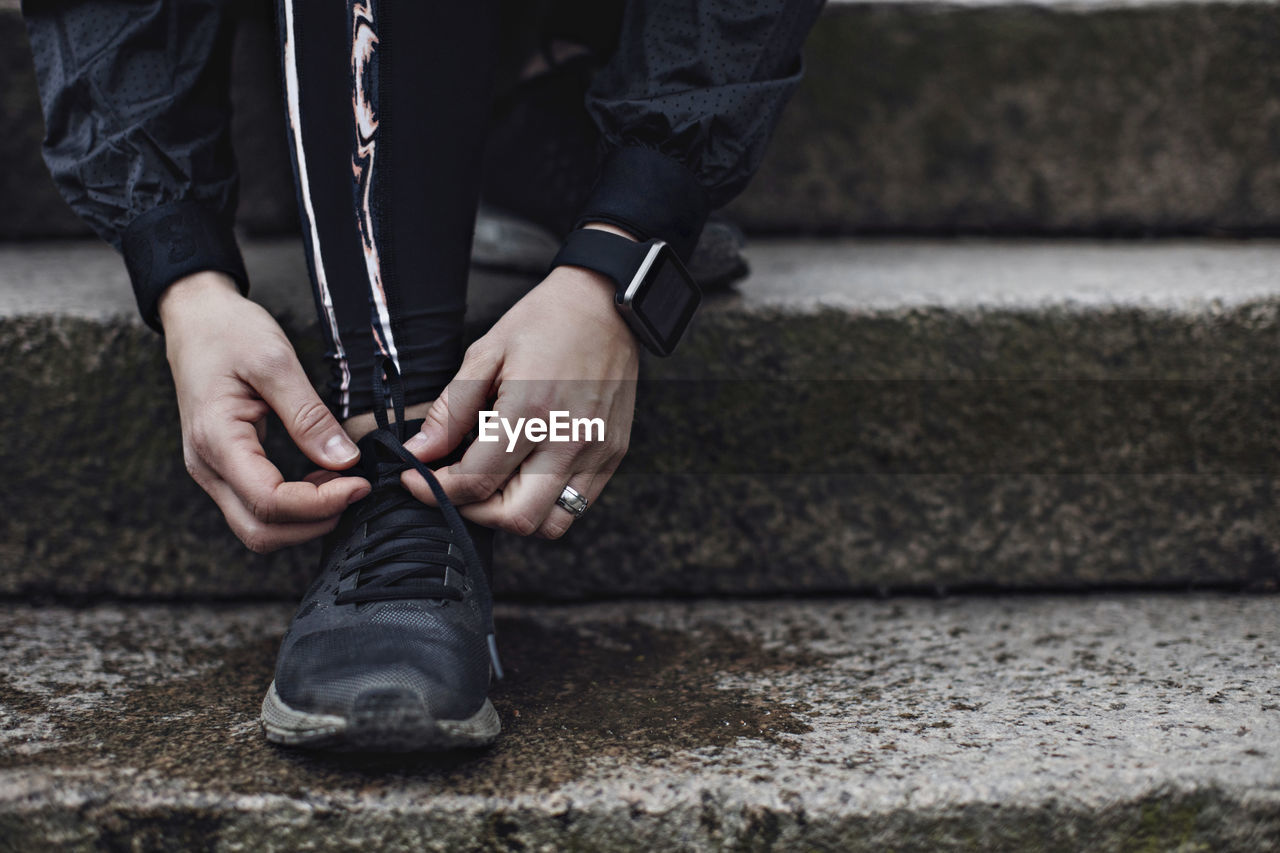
(304, 188)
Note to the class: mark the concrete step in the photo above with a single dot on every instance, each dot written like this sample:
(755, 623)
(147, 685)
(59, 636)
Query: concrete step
(1077, 116)
(858, 415)
(1109, 723)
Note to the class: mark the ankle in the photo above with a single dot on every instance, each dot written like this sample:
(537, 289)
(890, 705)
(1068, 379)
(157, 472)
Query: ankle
(358, 426)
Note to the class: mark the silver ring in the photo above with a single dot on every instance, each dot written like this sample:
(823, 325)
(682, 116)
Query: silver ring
(572, 500)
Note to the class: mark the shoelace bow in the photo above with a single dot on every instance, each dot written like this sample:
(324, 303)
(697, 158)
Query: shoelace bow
(418, 565)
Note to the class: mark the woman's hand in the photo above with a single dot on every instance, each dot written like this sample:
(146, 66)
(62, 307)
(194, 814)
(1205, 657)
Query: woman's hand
(563, 347)
(232, 364)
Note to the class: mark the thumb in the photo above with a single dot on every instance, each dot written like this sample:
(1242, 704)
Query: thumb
(455, 411)
(308, 420)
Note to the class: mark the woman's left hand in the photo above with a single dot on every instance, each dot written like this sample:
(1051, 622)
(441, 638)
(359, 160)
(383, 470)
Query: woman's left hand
(562, 348)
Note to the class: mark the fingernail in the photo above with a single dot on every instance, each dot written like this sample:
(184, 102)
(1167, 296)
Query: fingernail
(340, 448)
(418, 442)
(358, 495)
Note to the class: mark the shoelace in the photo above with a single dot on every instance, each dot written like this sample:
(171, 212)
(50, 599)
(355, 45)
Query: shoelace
(408, 555)
(418, 565)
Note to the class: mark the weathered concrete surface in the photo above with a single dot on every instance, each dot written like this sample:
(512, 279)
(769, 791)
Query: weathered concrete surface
(1029, 117)
(1113, 723)
(870, 415)
(1045, 116)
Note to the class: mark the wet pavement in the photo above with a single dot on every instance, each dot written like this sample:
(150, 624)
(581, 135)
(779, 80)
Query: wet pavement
(848, 723)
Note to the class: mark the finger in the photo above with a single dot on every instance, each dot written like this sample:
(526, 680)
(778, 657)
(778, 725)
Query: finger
(484, 469)
(455, 411)
(482, 472)
(238, 459)
(287, 390)
(320, 477)
(257, 535)
(523, 505)
(590, 484)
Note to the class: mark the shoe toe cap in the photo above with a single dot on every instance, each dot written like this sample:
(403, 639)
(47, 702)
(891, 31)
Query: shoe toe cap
(337, 672)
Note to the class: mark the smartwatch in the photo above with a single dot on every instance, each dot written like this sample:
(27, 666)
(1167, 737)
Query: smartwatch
(655, 293)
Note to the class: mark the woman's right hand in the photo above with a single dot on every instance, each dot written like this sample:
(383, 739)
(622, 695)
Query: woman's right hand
(232, 364)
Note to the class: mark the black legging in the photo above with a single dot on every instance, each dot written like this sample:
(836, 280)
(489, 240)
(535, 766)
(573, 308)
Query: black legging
(387, 107)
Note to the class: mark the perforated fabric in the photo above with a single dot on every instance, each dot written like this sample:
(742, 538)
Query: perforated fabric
(703, 83)
(437, 648)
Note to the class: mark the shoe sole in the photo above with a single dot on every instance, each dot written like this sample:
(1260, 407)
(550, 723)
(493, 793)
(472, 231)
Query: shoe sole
(385, 721)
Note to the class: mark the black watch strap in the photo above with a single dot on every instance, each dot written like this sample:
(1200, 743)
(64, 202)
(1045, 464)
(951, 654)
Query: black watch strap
(606, 253)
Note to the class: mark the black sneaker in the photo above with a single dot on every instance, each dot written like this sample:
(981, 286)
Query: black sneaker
(392, 648)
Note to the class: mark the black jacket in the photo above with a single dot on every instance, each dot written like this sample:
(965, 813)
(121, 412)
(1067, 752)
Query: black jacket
(136, 106)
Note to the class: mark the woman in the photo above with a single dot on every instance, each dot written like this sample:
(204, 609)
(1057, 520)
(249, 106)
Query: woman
(386, 107)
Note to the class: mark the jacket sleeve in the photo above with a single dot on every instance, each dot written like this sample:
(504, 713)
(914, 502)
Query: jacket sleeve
(686, 107)
(137, 131)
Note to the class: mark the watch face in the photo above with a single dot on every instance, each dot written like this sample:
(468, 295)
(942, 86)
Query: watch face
(665, 300)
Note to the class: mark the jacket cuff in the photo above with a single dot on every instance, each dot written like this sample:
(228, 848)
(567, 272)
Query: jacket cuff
(171, 242)
(650, 195)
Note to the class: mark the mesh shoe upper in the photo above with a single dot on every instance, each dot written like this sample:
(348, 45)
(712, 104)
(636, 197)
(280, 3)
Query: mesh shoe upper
(397, 604)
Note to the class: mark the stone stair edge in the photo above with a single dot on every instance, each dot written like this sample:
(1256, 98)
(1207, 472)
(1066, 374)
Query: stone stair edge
(1195, 449)
(873, 275)
(1106, 722)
